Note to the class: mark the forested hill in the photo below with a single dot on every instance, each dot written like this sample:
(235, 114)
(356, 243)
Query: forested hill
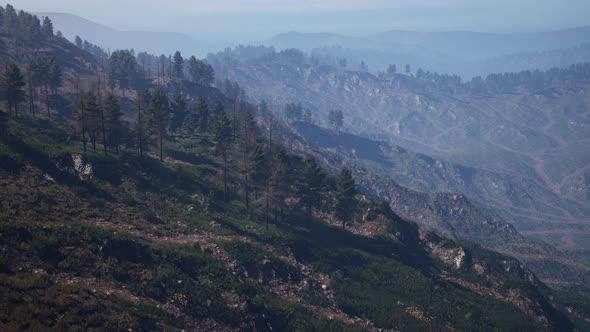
(159, 210)
(520, 125)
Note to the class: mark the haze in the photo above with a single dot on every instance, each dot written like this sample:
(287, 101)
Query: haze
(243, 21)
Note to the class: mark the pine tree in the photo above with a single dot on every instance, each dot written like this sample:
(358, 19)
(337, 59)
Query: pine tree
(46, 74)
(345, 197)
(80, 117)
(259, 168)
(92, 116)
(79, 43)
(222, 133)
(159, 114)
(47, 28)
(143, 98)
(336, 119)
(190, 123)
(13, 84)
(248, 142)
(178, 66)
(178, 112)
(202, 110)
(200, 71)
(114, 123)
(310, 185)
(279, 181)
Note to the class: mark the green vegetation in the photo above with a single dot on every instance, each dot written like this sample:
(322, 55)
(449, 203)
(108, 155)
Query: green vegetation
(183, 220)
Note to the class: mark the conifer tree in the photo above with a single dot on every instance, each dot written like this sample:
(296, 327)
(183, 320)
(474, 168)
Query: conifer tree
(92, 116)
(159, 114)
(345, 197)
(259, 168)
(279, 181)
(13, 84)
(143, 98)
(114, 125)
(79, 43)
(178, 112)
(221, 130)
(248, 142)
(47, 28)
(80, 117)
(311, 185)
(178, 66)
(202, 110)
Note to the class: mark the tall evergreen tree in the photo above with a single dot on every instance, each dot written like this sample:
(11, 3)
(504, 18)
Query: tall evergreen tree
(46, 74)
(47, 28)
(222, 133)
(178, 66)
(336, 119)
(13, 84)
(202, 110)
(78, 42)
(81, 118)
(92, 116)
(259, 168)
(311, 185)
(248, 142)
(346, 203)
(159, 115)
(200, 71)
(178, 112)
(114, 123)
(143, 98)
(279, 181)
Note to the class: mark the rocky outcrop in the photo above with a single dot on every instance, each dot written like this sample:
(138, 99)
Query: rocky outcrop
(75, 164)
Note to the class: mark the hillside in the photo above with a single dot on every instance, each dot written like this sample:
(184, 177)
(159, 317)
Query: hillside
(448, 213)
(511, 141)
(135, 202)
(125, 232)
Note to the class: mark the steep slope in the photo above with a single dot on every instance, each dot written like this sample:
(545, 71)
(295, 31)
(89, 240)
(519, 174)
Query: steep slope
(519, 137)
(86, 230)
(450, 214)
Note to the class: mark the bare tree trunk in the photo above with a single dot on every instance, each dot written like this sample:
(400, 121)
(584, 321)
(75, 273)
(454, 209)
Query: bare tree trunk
(139, 125)
(224, 175)
(161, 147)
(47, 101)
(102, 122)
(31, 94)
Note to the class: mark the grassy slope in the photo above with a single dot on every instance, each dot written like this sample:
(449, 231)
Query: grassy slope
(143, 234)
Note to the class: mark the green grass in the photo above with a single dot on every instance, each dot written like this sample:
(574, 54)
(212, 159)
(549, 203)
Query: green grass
(392, 282)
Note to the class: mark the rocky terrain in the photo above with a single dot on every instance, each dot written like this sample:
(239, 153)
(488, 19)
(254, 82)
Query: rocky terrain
(521, 151)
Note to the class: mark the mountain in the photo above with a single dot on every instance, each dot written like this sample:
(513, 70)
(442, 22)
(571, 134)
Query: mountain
(110, 224)
(510, 142)
(109, 38)
(448, 213)
(460, 52)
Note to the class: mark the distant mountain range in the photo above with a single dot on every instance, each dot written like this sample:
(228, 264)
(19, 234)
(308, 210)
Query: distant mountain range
(458, 52)
(463, 52)
(156, 42)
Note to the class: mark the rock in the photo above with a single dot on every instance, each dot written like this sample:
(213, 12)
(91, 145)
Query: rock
(324, 287)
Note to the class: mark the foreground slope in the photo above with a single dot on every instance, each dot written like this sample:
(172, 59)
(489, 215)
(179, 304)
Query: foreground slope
(153, 244)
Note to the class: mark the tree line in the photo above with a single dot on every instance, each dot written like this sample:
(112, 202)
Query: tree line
(266, 171)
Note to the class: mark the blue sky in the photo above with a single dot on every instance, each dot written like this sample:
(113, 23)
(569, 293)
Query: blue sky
(243, 20)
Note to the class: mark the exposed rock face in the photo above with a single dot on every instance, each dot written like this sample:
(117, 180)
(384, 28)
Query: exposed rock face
(455, 257)
(76, 165)
(496, 276)
(82, 169)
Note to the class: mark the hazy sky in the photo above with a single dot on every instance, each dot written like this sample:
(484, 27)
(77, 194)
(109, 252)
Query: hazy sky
(259, 19)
